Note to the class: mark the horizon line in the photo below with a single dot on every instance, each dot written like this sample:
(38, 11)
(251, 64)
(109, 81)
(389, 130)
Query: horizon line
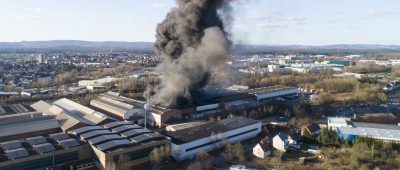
(251, 44)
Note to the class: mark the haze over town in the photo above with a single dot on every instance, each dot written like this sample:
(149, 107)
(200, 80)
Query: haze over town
(199, 84)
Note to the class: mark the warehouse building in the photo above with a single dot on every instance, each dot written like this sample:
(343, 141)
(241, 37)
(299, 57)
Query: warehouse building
(206, 137)
(348, 129)
(21, 127)
(72, 115)
(122, 138)
(15, 109)
(157, 115)
(270, 92)
(104, 83)
(40, 152)
(116, 108)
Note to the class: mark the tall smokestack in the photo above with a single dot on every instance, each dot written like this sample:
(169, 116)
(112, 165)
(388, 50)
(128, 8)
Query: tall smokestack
(193, 41)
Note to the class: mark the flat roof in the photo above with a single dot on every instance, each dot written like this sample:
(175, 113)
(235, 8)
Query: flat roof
(181, 126)
(28, 125)
(206, 130)
(379, 133)
(269, 89)
(375, 125)
(338, 121)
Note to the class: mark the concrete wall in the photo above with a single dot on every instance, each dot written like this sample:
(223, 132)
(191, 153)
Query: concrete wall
(179, 150)
(106, 157)
(83, 150)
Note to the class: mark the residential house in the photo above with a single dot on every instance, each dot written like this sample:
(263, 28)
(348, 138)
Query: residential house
(262, 149)
(282, 141)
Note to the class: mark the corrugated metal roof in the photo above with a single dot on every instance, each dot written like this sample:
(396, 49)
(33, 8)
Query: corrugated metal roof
(27, 126)
(41, 106)
(76, 111)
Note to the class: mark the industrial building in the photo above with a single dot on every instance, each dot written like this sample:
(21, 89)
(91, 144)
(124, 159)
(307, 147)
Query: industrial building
(38, 142)
(203, 108)
(156, 115)
(15, 109)
(122, 138)
(348, 129)
(117, 109)
(265, 93)
(71, 115)
(17, 112)
(18, 127)
(206, 137)
(104, 83)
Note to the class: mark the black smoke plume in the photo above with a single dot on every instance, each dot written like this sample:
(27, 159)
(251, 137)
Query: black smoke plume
(193, 40)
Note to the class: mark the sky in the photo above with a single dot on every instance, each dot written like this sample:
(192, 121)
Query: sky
(269, 22)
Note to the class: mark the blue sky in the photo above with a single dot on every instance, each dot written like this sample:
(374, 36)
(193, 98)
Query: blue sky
(273, 22)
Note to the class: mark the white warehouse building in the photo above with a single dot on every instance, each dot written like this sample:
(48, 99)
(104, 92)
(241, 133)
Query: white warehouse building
(186, 143)
(272, 92)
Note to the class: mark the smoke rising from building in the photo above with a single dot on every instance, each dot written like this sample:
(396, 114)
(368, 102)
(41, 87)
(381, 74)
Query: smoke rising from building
(193, 40)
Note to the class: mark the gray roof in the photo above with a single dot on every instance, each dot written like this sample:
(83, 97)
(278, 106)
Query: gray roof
(375, 125)
(135, 132)
(79, 112)
(11, 145)
(378, 131)
(269, 89)
(113, 144)
(60, 136)
(94, 133)
(36, 140)
(44, 148)
(17, 153)
(154, 108)
(124, 128)
(69, 143)
(85, 129)
(104, 138)
(116, 124)
(282, 135)
(28, 125)
(206, 130)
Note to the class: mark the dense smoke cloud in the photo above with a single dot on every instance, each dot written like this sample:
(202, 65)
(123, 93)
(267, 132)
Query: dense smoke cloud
(193, 40)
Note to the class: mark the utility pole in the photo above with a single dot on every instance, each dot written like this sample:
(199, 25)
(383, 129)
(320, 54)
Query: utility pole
(146, 107)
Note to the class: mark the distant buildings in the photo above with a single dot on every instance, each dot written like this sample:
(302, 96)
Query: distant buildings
(40, 59)
(206, 137)
(104, 83)
(34, 92)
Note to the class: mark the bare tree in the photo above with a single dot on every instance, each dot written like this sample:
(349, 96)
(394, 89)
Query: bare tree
(123, 163)
(203, 161)
(156, 158)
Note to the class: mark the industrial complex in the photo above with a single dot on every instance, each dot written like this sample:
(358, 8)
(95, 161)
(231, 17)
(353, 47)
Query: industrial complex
(64, 133)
